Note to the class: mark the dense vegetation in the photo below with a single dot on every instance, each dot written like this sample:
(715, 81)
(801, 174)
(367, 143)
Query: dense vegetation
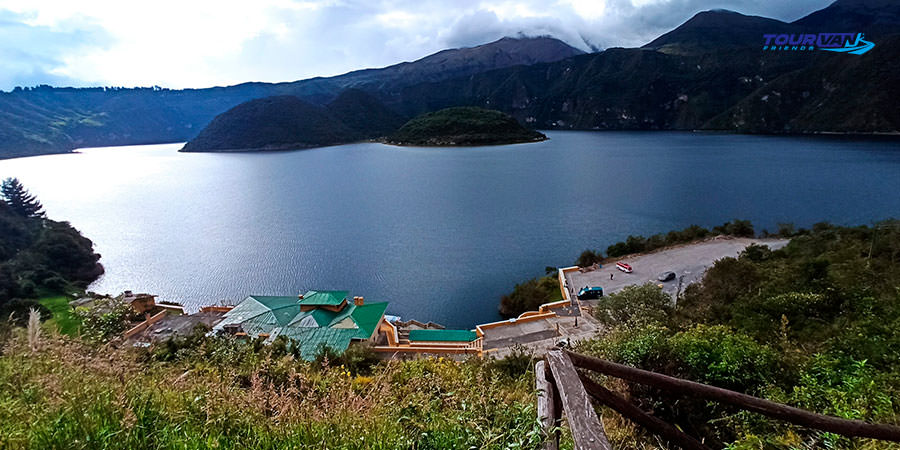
(528, 296)
(815, 325)
(463, 126)
(38, 255)
(225, 393)
(287, 122)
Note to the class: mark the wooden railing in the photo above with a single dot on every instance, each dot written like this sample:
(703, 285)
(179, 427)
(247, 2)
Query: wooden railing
(561, 388)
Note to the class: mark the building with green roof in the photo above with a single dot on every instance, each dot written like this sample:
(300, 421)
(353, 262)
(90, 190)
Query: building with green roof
(312, 320)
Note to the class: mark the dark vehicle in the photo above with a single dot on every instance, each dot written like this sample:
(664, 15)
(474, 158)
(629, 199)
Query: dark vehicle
(590, 293)
(666, 276)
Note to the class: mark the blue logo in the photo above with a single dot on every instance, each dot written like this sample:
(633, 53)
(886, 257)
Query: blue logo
(831, 42)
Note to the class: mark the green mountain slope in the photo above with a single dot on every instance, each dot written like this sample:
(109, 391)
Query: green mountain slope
(45, 119)
(286, 122)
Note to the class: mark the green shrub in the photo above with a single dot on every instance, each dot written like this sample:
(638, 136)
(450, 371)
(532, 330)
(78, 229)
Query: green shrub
(723, 357)
(105, 320)
(528, 296)
(635, 306)
(588, 257)
(518, 363)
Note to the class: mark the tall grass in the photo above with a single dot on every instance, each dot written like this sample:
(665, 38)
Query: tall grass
(68, 394)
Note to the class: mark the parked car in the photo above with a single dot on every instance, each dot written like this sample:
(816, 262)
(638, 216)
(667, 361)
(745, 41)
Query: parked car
(623, 267)
(666, 276)
(590, 293)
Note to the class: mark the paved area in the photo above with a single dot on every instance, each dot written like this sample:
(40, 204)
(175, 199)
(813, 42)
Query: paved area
(689, 262)
(539, 336)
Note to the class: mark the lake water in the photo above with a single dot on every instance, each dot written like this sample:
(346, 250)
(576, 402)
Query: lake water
(441, 233)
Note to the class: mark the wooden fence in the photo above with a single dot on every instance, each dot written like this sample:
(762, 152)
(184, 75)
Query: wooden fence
(562, 389)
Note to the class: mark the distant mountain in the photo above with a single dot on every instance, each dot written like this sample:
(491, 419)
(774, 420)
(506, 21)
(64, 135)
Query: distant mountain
(463, 126)
(830, 94)
(286, 122)
(717, 30)
(708, 73)
(52, 120)
(874, 17)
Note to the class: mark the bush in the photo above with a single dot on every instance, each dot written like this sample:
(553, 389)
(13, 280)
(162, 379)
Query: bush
(519, 362)
(588, 258)
(530, 295)
(739, 228)
(720, 356)
(105, 320)
(640, 244)
(635, 306)
(18, 309)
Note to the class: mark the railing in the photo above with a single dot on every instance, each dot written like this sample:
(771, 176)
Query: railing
(561, 388)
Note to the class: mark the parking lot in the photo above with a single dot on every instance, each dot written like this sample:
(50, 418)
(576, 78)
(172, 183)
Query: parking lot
(689, 262)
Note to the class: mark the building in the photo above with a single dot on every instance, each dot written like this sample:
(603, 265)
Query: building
(312, 320)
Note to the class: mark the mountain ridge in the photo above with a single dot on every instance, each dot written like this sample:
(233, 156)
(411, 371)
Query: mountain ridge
(45, 119)
(686, 79)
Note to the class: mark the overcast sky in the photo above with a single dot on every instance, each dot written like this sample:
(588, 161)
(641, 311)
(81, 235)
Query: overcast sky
(186, 43)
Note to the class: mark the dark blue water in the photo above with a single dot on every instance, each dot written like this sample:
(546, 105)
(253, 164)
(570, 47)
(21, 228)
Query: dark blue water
(440, 233)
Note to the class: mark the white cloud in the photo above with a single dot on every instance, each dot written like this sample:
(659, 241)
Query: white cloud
(197, 43)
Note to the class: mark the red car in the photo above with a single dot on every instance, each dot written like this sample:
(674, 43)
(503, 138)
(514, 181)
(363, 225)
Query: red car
(623, 267)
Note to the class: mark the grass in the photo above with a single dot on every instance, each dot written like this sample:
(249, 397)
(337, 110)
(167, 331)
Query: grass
(71, 395)
(64, 318)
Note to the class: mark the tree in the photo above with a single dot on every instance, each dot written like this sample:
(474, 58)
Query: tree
(19, 200)
(588, 258)
(530, 295)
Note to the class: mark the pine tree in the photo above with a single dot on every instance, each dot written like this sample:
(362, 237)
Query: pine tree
(19, 200)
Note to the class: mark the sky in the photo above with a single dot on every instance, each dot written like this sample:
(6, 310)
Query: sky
(202, 43)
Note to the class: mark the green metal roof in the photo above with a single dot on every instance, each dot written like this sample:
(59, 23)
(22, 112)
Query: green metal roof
(310, 340)
(442, 335)
(283, 308)
(324, 298)
(282, 316)
(367, 318)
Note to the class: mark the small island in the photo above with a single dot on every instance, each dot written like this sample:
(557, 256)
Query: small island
(463, 126)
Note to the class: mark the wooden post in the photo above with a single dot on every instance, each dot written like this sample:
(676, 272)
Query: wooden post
(587, 431)
(797, 416)
(546, 408)
(638, 416)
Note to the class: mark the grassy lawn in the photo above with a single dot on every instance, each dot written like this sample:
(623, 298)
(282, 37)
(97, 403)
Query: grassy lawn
(63, 317)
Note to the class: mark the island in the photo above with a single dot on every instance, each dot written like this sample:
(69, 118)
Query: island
(463, 126)
(287, 122)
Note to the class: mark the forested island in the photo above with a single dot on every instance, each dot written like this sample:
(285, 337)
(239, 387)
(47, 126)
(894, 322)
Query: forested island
(288, 123)
(463, 126)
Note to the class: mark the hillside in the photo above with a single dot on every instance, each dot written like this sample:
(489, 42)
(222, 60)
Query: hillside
(463, 126)
(286, 122)
(716, 30)
(38, 254)
(271, 123)
(45, 119)
(705, 74)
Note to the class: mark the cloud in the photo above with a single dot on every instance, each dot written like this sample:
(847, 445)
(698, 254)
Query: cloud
(35, 54)
(198, 43)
